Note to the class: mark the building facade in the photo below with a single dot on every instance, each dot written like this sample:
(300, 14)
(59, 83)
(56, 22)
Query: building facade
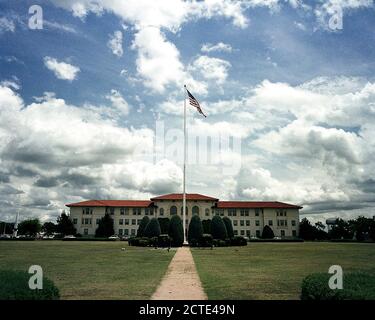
(248, 217)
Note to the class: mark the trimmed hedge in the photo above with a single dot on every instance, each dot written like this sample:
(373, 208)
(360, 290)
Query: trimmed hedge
(152, 228)
(195, 231)
(238, 241)
(218, 229)
(221, 243)
(229, 227)
(206, 226)
(356, 286)
(142, 226)
(176, 231)
(164, 225)
(14, 285)
(267, 233)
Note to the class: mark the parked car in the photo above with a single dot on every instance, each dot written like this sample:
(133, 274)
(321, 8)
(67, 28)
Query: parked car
(5, 236)
(69, 237)
(114, 237)
(277, 238)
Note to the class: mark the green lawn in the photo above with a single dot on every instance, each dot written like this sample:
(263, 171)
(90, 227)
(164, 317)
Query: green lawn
(274, 270)
(91, 270)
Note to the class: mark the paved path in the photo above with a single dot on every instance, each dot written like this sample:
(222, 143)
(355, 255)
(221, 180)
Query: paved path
(181, 281)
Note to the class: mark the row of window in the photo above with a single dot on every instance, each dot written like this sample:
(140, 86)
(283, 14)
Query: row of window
(173, 210)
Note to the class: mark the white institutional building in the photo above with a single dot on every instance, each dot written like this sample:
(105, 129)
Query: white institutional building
(248, 217)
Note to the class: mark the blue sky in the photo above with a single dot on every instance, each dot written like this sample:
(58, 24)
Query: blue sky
(79, 97)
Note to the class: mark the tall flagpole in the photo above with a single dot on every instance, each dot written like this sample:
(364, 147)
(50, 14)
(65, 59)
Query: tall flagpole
(184, 173)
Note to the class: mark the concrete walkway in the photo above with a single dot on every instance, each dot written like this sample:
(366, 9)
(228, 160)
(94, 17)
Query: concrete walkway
(181, 281)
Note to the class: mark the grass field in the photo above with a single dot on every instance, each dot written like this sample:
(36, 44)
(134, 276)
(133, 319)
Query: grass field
(91, 270)
(274, 270)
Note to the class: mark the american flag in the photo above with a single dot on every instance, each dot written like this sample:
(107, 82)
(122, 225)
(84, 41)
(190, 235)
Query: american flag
(194, 102)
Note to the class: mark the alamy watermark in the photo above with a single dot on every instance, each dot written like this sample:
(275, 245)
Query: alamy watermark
(36, 18)
(335, 282)
(36, 280)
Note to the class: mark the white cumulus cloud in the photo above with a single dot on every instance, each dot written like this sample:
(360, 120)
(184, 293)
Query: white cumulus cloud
(62, 70)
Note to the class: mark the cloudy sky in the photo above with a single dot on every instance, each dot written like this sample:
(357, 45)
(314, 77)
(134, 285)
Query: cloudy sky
(91, 104)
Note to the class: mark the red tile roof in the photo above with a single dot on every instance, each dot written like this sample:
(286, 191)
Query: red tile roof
(256, 204)
(112, 203)
(189, 196)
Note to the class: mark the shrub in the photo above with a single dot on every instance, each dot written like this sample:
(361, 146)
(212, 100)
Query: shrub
(238, 241)
(142, 226)
(164, 241)
(218, 229)
(164, 225)
(206, 241)
(14, 285)
(176, 231)
(105, 227)
(221, 243)
(267, 233)
(152, 229)
(195, 231)
(29, 227)
(206, 226)
(356, 286)
(229, 227)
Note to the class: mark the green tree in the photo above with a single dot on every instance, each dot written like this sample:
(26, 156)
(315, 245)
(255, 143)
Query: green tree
(362, 227)
(152, 229)
(195, 231)
(164, 225)
(49, 228)
(206, 226)
(65, 226)
(267, 233)
(105, 227)
(142, 226)
(176, 231)
(29, 227)
(218, 229)
(306, 230)
(6, 228)
(342, 230)
(229, 227)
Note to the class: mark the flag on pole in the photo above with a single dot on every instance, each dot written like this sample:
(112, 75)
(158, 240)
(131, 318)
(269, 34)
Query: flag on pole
(194, 102)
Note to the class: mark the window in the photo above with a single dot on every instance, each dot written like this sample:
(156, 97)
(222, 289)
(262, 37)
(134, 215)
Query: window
(126, 222)
(126, 232)
(120, 232)
(242, 232)
(139, 221)
(121, 221)
(126, 211)
(220, 212)
(242, 213)
(235, 232)
(294, 233)
(85, 232)
(257, 223)
(258, 233)
(87, 211)
(134, 221)
(232, 212)
(247, 233)
(136, 211)
(257, 212)
(270, 222)
(161, 211)
(133, 232)
(242, 223)
(122, 211)
(247, 223)
(75, 221)
(246, 213)
(235, 222)
(283, 233)
(147, 210)
(293, 223)
(112, 211)
(97, 221)
(207, 212)
(173, 210)
(195, 210)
